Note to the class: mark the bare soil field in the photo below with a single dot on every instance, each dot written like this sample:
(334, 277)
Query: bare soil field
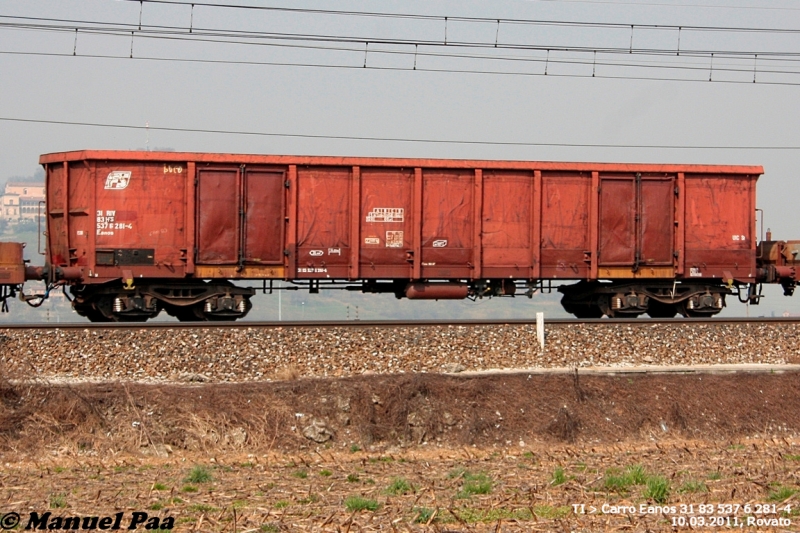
(409, 452)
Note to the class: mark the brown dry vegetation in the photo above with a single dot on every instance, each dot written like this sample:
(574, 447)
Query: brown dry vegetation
(428, 452)
(308, 491)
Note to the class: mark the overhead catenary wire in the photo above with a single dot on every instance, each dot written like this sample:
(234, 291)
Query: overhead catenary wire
(546, 61)
(252, 37)
(241, 37)
(324, 43)
(393, 139)
(665, 4)
(491, 20)
(579, 58)
(282, 39)
(288, 40)
(339, 43)
(791, 58)
(416, 67)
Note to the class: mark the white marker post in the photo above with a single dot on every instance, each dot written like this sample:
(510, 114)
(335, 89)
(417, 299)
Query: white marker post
(540, 329)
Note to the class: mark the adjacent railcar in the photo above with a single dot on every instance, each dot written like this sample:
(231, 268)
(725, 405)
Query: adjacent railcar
(135, 233)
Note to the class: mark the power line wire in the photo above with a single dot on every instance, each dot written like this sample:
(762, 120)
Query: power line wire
(394, 139)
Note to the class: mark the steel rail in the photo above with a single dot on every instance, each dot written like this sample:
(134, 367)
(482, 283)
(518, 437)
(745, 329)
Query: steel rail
(400, 323)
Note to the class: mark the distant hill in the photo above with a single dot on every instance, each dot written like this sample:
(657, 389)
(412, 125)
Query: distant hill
(36, 177)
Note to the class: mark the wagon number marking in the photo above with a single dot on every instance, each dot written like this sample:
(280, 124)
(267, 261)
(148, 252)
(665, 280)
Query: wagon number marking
(386, 214)
(107, 224)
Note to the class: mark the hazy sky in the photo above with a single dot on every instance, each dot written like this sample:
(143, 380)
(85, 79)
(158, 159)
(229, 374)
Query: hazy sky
(389, 99)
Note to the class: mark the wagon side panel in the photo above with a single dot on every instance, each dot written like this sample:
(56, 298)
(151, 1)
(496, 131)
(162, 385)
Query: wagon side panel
(139, 219)
(565, 236)
(507, 223)
(57, 239)
(447, 223)
(720, 226)
(80, 215)
(218, 218)
(323, 222)
(386, 222)
(264, 207)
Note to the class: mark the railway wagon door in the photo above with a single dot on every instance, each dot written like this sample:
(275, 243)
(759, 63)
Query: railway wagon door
(386, 226)
(263, 217)
(218, 216)
(636, 221)
(448, 231)
(240, 214)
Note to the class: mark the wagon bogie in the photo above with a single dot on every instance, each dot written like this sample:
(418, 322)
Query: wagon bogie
(185, 300)
(661, 299)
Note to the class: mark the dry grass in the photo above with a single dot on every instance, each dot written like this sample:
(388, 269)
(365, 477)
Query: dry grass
(287, 373)
(260, 492)
(401, 409)
(412, 453)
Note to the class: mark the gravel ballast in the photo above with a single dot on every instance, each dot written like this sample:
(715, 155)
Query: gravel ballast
(216, 354)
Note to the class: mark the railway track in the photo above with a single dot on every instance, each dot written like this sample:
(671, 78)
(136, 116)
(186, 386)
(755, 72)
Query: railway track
(257, 351)
(396, 323)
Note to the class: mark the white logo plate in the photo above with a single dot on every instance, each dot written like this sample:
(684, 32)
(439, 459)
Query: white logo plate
(118, 180)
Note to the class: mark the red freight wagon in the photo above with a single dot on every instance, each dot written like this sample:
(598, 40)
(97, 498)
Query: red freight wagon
(137, 232)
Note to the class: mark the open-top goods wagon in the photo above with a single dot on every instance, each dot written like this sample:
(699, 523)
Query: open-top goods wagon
(135, 233)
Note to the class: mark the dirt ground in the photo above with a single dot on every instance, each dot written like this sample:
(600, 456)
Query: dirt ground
(421, 452)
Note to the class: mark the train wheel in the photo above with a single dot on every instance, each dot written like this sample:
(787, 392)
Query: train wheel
(184, 313)
(621, 316)
(656, 309)
(88, 311)
(97, 316)
(590, 311)
(106, 309)
(692, 313)
(133, 318)
(211, 311)
(227, 309)
(703, 306)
